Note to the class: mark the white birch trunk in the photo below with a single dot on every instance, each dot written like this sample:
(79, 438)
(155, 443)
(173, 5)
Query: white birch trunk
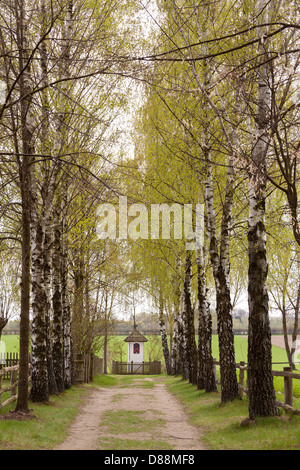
(62, 342)
(163, 335)
(66, 308)
(206, 376)
(47, 192)
(188, 324)
(175, 354)
(40, 386)
(218, 254)
(220, 266)
(262, 399)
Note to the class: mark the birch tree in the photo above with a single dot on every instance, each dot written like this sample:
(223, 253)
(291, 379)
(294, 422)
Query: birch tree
(201, 83)
(262, 400)
(162, 324)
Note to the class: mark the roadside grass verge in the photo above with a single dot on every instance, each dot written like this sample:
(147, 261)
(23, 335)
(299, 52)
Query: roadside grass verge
(48, 426)
(133, 444)
(104, 380)
(222, 424)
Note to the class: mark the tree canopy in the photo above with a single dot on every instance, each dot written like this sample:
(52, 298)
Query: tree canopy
(172, 106)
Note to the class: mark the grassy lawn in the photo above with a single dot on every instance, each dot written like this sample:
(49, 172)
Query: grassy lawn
(222, 424)
(120, 426)
(50, 424)
(47, 428)
(11, 342)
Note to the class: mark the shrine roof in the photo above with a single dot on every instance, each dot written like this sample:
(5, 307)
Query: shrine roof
(135, 337)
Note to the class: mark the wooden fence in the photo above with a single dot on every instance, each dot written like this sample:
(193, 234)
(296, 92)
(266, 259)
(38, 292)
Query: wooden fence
(131, 368)
(288, 374)
(12, 372)
(9, 360)
(86, 366)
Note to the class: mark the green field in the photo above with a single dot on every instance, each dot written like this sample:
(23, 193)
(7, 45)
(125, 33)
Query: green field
(153, 349)
(222, 425)
(11, 343)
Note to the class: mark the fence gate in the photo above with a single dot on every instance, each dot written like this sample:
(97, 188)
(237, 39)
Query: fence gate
(131, 368)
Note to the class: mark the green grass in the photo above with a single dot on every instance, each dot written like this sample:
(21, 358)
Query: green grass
(241, 351)
(128, 421)
(136, 380)
(279, 360)
(105, 380)
(133, 444)
(11, 343)
(222, 424)
(47, 428)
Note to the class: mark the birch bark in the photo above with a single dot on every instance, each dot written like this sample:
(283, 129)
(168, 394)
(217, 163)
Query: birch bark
(188, 323)
(206, 376)
(175, 347)
(47, 193)
(182, 340)
(32, 233)
(57, 349)
(39, 377)
(163, 334)
(66, 308)
(219, 253)
(175, 351)
(262, 399)
(22, 401)
(220, 266)
(25, 183)
(62, 347)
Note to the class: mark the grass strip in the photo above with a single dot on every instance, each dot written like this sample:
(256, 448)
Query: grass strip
(133, 444)
(222, 424)
(48, 425)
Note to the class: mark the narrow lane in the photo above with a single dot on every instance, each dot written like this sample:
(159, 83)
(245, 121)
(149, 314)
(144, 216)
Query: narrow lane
(151, 416)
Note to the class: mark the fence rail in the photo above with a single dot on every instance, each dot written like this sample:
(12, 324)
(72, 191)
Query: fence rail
(288, 374)
(132, 368)
(12, 372)
(9, 360)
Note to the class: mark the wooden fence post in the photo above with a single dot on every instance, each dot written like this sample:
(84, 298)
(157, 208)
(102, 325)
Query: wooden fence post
(215, 369)
(242, 378)
(80, 369)
(92, 366)
(0, 385)
(288, 387)
(13, 383)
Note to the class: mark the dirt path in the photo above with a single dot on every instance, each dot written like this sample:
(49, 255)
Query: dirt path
(160, 418)
(278, 340)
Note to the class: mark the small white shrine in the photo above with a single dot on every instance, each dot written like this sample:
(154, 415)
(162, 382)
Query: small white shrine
(136, 353)
(136, 349)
